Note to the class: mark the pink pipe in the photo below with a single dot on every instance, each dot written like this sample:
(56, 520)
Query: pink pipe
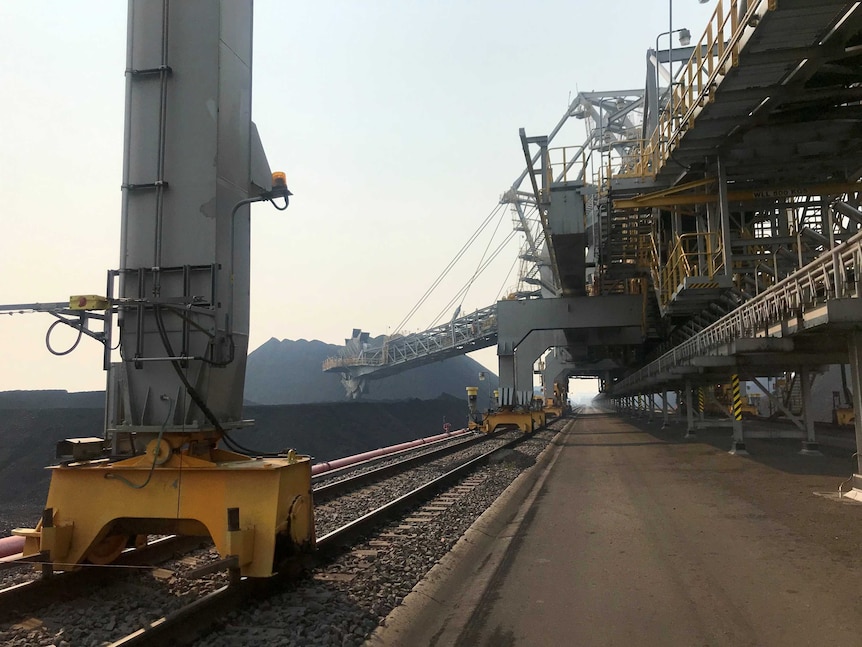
(320, 468)
(11, 546)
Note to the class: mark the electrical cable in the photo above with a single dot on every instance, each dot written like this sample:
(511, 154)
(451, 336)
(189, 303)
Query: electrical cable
(156, 449)
(481, 260)
(80, 330)
(505, 280)
(465, 287)
(449, 267)
(286, 203)
(195, 396)
(479, 270)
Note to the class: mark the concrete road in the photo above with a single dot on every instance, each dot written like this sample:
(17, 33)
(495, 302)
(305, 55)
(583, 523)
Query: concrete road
(638, 538)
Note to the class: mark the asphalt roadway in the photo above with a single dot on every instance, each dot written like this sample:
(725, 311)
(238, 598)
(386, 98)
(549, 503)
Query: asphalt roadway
(626, 534)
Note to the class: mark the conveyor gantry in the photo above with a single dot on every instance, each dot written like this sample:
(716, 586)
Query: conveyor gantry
(360, 362)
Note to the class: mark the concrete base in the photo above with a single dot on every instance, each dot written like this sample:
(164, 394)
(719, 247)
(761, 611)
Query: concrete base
(711, 423)
(810, 449)
(737, 448)
(855, 494)
(792, 434)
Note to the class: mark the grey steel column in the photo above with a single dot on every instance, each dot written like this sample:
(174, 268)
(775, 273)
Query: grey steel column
(809, 446)
(689, 411)
(189, 145)
(856, 374)
(507, 378)
(664, 408)
(724, 218)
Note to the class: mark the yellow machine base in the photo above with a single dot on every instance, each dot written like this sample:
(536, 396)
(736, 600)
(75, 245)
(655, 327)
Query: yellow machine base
(844, 416)
(554, 411)
(98, 507)
(526, 421)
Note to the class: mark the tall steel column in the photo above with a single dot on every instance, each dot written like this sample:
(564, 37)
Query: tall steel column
(809, 446)
(724, 218)
(689, 411)
(190, 151)
(855, 348)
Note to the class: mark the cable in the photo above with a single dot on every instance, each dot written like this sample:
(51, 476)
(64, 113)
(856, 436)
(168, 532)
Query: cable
(72, 347)
(195, 396)
(466, 287)
(156, 450)
(481, 269)
(449, 267)
(481, 260)
(235, 446)
(506, 279)
(286, 203)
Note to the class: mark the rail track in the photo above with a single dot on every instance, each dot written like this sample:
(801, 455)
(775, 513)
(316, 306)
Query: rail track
(180, 610)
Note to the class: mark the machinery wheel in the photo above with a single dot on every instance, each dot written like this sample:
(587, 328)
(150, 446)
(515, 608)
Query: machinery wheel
(107, 550)
(297, 539)
(301, 520)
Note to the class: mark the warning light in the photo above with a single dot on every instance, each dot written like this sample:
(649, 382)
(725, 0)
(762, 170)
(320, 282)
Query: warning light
(279, 180)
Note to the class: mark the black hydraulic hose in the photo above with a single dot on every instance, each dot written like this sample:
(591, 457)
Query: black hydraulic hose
(195, 396)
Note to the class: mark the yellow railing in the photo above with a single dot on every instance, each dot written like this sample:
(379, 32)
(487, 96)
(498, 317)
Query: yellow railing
(566, 163)
(632, 162)
(692, 255)
(714, 55)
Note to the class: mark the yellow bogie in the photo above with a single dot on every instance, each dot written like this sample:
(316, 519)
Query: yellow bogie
(526, 421)
(98, 506)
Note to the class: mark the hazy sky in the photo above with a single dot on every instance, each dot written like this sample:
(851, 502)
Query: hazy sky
(395, 121)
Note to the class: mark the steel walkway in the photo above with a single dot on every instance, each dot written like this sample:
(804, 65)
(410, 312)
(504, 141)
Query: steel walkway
(359, 362)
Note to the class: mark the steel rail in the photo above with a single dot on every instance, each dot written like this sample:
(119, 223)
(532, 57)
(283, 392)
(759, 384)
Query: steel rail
(41, 592)
(329, 490)
(351, 530)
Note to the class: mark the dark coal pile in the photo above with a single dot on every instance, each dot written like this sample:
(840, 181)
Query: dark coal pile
(325, 431)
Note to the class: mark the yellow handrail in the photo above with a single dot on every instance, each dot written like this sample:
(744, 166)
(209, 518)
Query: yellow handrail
(692, 255)
(716, 52)
(722, 41)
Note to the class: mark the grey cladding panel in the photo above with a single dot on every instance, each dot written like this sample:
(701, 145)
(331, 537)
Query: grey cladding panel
(566, 214)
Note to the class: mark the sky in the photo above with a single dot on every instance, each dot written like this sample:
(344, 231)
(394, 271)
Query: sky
(396, 122)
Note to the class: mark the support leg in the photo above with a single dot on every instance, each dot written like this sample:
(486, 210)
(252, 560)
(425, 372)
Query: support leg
(664, 409)
(856, 375)
(738, 443)
(689, 411)
(809, 445)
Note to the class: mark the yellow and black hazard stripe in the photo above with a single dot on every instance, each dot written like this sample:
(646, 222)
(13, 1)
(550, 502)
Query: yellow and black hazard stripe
(697, 286)
(737, 397)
